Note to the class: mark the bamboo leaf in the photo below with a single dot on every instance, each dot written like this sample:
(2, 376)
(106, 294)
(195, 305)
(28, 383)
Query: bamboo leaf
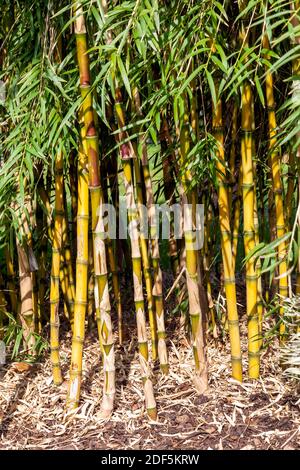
(124, 75)
(211, 87)
(259, 90)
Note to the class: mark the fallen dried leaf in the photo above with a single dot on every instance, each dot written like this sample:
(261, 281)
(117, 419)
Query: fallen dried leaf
(21, 367)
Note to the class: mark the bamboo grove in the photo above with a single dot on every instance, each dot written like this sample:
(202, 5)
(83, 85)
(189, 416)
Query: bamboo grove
(180, 103)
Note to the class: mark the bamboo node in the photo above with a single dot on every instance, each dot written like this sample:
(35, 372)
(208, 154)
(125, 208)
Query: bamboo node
(247, 132)
(81, 302)
(77, 340)
(95, 188)
(55, 364)
(229, 280)
(236, 358)
(253, 354)
(251, 277)
(82, 262)
(75, 373)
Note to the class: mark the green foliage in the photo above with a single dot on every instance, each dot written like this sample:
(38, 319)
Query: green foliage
(160, 46)
(290, 351)
(174, 51)
(13, 337)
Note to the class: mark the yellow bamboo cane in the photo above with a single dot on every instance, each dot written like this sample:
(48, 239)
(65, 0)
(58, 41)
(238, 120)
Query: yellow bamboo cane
(127, 153)
(160, 338)
(146, 260)
(68, 272)
(224, 219)
(101, 276)
(91, 285)
(193, 105)
(56, 259)
(249, 230)
(81, 272)
(106, 340)
(247, 120)
(192, 274)
(277, 189)
(42, 273)
(112, 260)
(63, 279)
(260, 305)
(236, 219)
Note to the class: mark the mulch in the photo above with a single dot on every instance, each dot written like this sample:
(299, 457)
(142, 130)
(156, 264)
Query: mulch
(261, 414)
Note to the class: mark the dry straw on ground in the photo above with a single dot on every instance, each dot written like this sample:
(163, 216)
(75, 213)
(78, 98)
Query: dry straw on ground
(262, 414)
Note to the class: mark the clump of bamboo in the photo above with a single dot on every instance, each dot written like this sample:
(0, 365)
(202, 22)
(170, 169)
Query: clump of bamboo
(145, 259)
